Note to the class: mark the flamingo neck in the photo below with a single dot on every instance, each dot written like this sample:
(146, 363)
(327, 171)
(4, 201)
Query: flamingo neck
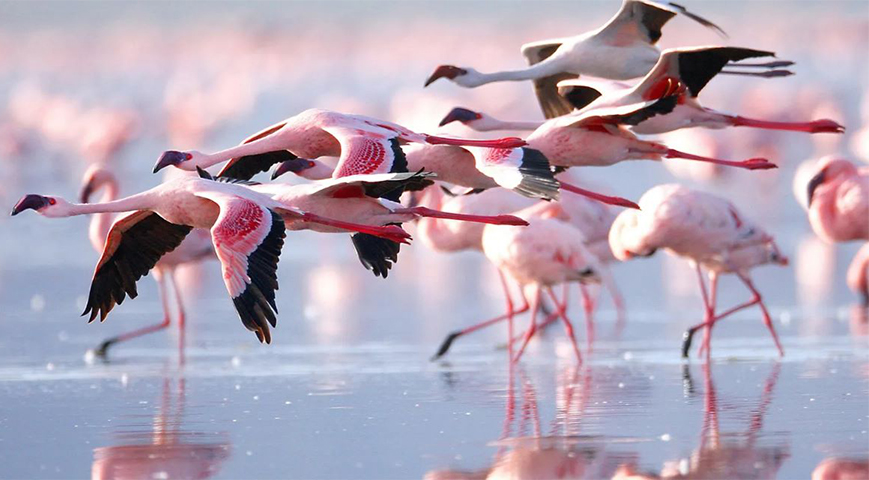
(491, 123)
(266, 144)
(102, 222)
(141, 201)
(542, 69)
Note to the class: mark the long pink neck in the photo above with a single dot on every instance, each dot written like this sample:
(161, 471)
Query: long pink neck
(102, 222)
(491, 124)
(140, 201)
(269, 143)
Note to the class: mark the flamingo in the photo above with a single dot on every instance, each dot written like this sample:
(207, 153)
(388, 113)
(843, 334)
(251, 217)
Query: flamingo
(838, 206)
(709, 231)
(195, 247)
(591, 218)
(365, 145)
(247, 230)
(549, 252)
(622, 49)
(691, 68)
(597, 137)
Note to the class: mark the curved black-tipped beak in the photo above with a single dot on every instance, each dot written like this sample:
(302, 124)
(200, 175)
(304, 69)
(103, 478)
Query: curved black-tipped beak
(30, 201)
(460, 114)
(296, 165)
(445, 71)
(169, 157)
(814, 183)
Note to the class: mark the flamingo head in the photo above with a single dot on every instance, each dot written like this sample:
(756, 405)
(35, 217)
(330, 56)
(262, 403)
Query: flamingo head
(465, 77)
(53, 207)
(188, 160)
(95, 178)
(296, 165)
(625, 238)
(460, 114)
(829, 169)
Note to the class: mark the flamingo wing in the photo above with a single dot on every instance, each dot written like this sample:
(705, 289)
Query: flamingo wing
(364, 153)
(523, 170)
(135, 243)
(642, 21)
(581, 92)
(546, 88)
(375, 186)
(244, 168)
(248, 239)
(631, 114)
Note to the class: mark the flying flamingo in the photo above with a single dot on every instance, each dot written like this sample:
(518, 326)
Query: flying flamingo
(709, 231)
(195, 247)
(622, 49)
(365, 145)
(548, 252)
(598, 137)
(838, 204)
(247, 230)
(691, 68)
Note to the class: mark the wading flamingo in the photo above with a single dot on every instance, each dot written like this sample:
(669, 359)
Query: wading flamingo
(709, 231)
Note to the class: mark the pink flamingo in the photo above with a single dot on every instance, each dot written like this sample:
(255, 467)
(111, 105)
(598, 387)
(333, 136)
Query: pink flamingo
(247, 230)
(598, 137)
(195, 247)
(365, 145)
(621, 49)
(691, 68)
(549, 252)
(705, 229)
(838, 204)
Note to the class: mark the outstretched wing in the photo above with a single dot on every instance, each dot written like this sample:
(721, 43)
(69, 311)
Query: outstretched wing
(133, 246)
(523, 170)
(248, 239)
(546, 88)
(375, 186)
(580, 92)
(631, 114)
(642, 20)
(364, 153)
(244, 168)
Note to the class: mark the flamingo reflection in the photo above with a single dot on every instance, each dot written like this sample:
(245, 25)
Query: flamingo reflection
(723, 455)
(166, 451)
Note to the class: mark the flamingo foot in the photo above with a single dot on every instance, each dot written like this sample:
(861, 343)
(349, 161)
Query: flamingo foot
(609, 200)
(818, 126)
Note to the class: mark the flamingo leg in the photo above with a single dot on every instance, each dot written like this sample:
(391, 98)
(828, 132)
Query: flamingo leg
(511, 311)
(532, 327)
(568, 328)
(491, 219)
(588, 305)
(102, 350)
(767, 320)
(389, 232)
(817, 126)
(549, 320)
(707, 333)
(750, 164)
(182, 315)
(506, 142)
(609, 200)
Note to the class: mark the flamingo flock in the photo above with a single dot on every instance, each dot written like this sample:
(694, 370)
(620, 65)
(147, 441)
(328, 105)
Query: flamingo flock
(520, 201)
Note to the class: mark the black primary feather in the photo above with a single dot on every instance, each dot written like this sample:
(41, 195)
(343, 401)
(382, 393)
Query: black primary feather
(376, 254)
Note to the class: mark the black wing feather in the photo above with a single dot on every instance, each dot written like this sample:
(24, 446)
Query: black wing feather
(697, 67)
(140, 248)
(376, 254)
(245, 168)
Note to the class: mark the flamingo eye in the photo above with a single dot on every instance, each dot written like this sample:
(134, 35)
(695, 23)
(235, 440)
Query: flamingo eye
(51, 201)
(311, 164)
(188, 156)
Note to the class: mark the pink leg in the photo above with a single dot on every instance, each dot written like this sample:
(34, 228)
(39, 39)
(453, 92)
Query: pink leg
(492, 219)
(588, 305)
(535, 306)
(707, 333)
(549, 320)
(506, 142)
(182, 316)
(389, 232)
(766, 317)
(452, 337)
(750, 164)
(102, 350)
(708, 315)
(617, 201)
(817, 126)
(568, 328)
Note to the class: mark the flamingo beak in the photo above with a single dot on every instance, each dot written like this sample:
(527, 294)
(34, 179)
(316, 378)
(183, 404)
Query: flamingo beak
(460, 114)
(296, 165)
(169, 157)
(814, 183)
(30, 201)
(445, 71)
